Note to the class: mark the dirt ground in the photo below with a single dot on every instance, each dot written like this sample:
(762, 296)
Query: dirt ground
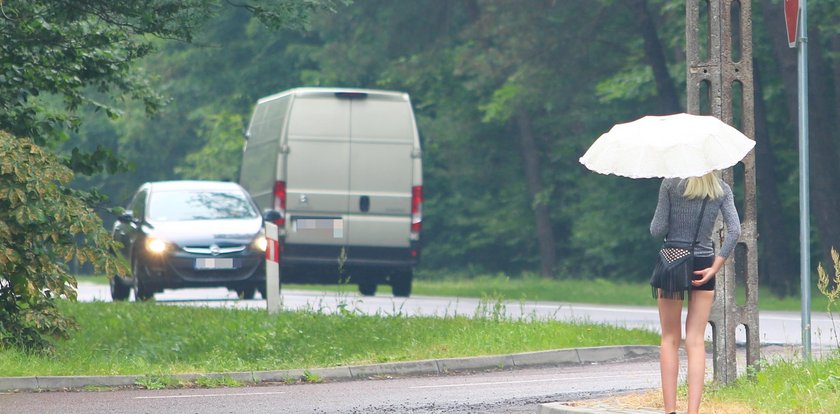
(653, 399)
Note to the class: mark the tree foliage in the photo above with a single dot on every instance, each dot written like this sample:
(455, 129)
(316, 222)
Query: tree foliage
(43, 225)
(62, 62)
(60, 55)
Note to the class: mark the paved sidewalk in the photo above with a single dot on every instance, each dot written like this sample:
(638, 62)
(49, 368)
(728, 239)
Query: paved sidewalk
(768, 352)
(559, 408)
(560, 357)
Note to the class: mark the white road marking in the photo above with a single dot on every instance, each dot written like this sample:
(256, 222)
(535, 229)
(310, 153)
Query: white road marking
(566, 379)
(595, 308)
(243, 394)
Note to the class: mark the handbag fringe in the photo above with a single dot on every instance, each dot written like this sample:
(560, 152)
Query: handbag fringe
(658, 293)
(667, 287)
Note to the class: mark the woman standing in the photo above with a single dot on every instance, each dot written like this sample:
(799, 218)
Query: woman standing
(681, 201)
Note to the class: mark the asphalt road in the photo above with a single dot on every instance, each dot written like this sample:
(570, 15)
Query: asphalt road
(513, 392)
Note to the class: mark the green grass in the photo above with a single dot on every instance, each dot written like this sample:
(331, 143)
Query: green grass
(599, 291)
(150, 339)
(595, 291)
(530, 287)
(788, 387)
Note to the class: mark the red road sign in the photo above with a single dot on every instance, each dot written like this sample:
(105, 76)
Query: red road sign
(792, 20)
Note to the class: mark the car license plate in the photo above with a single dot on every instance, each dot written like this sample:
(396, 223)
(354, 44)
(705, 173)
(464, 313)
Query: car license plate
(213, 263)
(328, 226)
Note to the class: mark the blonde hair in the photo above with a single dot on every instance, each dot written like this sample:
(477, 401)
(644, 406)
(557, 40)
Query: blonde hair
(705, 186)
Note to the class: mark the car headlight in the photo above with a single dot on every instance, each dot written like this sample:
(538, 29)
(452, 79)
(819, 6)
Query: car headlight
(156, 246)
(260, 243)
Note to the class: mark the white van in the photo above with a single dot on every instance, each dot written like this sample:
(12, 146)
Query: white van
(343, 168)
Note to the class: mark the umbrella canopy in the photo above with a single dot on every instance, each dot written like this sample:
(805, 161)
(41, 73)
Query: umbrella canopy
(679, 145)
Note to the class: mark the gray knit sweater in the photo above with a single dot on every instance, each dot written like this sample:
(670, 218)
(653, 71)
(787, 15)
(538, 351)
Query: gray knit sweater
(676, 218)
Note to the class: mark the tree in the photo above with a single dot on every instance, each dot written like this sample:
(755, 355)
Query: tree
(43, 225)
(508, 98)
(58, 55)
(201, 127)
(655, 56)
(57, 59)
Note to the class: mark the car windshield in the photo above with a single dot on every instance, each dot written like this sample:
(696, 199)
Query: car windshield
(199, 205)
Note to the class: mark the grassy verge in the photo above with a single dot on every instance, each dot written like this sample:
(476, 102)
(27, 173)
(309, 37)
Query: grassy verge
(789, 387)
(528, 287)
(783, 387)
(596, 291)
(145, 338)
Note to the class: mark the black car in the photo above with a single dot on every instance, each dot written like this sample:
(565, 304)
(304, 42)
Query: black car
(191, 234)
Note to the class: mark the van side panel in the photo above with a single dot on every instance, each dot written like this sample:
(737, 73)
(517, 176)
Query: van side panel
(259, 161)
(317, 168)
(382, 139)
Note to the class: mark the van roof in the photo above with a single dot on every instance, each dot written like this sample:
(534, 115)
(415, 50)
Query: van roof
(313, 91)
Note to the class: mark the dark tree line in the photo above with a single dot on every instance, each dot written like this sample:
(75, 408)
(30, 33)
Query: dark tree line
(508, 94)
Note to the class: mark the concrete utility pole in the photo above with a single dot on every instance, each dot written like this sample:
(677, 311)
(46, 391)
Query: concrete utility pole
(720, 83)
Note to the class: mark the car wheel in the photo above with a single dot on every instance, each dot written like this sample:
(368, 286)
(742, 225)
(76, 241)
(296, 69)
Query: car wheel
(262, 292)
(247, 293)
(367, 289)
(119, 288)
(143, 290)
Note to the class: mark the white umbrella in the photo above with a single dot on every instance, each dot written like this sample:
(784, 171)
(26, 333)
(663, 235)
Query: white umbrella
(679, 145)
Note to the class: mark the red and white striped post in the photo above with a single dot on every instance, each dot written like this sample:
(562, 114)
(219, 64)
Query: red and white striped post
(272, 268)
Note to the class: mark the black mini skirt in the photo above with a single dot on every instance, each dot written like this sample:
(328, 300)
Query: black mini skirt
(700, 263)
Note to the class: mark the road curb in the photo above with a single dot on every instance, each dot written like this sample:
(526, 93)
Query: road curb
(558, 357)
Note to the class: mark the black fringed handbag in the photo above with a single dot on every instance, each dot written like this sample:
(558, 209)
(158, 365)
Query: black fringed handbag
(675, 265)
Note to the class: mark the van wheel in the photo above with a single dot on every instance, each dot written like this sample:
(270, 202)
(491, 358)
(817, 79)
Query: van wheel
(367, 289)
(401, 283)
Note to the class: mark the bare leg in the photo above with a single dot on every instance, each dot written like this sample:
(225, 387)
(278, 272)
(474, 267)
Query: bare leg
(670, 320)
(695, 327)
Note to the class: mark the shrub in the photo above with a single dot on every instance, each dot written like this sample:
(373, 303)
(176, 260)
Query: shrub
(830, 287)
(43, 225)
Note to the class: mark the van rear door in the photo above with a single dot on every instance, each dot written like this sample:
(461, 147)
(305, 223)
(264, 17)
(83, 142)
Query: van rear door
(382, 135)
(317, 170)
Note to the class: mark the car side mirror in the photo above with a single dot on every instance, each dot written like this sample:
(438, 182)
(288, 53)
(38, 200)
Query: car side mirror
(126, 217)
(272, 215)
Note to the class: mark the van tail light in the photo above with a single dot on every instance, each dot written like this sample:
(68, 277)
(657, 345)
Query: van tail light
(416, 212)
(280, 202)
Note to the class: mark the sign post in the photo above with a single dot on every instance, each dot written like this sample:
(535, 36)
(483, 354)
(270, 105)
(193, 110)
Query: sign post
(272, 268)
(797, 31)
